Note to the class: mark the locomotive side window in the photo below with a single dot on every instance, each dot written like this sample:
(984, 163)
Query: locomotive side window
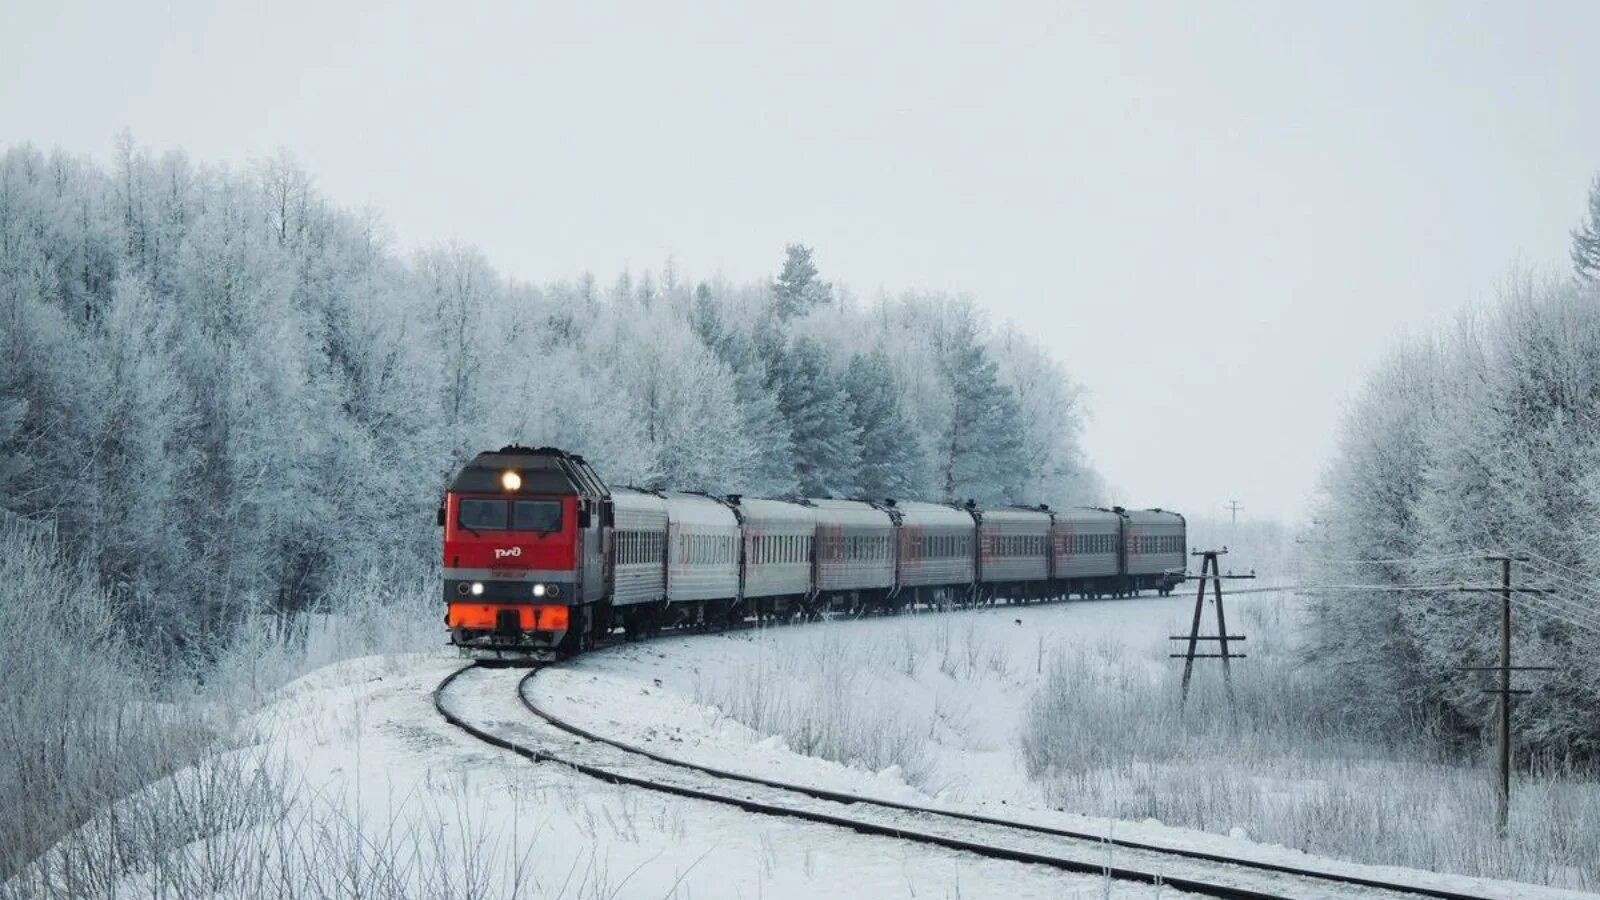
(482, 515)
(537, 515)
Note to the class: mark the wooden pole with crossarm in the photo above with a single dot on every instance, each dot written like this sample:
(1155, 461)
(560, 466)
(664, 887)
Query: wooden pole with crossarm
(1210, 571)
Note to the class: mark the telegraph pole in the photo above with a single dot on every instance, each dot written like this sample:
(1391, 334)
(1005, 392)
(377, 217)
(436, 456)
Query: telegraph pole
(1233, 510)
(1502, 805)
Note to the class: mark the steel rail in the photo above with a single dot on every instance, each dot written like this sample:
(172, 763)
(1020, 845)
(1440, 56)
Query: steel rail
(747, 804)
(1122, 873)
(848, 798)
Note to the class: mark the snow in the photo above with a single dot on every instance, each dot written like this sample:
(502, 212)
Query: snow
(974, 760)
(366, 740)
(654, 695)
(364, 744)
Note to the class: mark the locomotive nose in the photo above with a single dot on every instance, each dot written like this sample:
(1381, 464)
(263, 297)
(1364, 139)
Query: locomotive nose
(508, 623)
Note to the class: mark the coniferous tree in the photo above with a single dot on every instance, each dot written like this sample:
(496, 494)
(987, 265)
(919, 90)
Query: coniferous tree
(893, 463)
(1586, 238)
(980, 452)
(772, 470)
(798, 288)
(817, 410)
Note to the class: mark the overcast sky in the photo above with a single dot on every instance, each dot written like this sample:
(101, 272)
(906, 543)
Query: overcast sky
(1218, 216)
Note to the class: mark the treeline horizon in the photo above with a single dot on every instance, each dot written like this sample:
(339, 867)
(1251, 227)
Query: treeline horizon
(225, 391)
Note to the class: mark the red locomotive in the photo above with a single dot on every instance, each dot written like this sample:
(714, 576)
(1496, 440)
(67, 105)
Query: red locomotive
(524, 549)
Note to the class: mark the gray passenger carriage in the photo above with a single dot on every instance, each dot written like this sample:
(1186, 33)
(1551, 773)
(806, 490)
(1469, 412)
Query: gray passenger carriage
(935, 552)
(1013, 550)
(702, 549)
(1154, 548)
(638, 547)
(1086, 551)
(854, 545)
(775, 557)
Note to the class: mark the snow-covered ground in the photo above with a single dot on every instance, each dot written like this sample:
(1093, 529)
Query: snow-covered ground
(957, 689)
(349, 783)
(936, 708)
(371, 762)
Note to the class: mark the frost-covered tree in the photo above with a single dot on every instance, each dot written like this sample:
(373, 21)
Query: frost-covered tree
(893, 463)
(1373, 488)
(798, 288)
(1586, 238)
(228, 394)
(1488, 440)
(1049, 419)
(684, 399)
(979, 454)
(459, 284)
(816, 408)
(772, 471)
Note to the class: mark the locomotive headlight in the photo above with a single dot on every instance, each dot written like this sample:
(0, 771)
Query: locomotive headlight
(477, 589)
(510, 480)
(538, 590)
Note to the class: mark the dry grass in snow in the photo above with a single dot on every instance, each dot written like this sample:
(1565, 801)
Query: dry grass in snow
(1076, 708)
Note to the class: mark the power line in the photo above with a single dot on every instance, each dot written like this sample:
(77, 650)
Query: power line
(1465, 554)
(1544, 606)
(1550, 562)
(1572, 609)
(1578, 587)
(1383, 588)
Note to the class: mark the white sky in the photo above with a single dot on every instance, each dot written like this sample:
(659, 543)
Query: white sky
(1217, 215)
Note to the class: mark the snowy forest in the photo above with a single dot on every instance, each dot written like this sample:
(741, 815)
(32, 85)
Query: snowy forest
(225, 392)
(1484, 438)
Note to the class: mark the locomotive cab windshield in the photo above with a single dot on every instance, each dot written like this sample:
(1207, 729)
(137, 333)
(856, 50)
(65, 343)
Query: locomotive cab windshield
(498, 514)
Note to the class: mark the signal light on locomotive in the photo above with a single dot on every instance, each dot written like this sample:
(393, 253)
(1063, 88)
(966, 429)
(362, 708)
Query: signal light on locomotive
(477, 589)
(538, 590)
(510, 480)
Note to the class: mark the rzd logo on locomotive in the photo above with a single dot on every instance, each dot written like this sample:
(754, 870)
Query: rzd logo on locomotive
(503, 553)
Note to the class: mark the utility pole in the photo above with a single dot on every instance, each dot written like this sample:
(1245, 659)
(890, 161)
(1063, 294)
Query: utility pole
(1233, 521)
(1209, 571)
(1233, 509)
(1502, 805)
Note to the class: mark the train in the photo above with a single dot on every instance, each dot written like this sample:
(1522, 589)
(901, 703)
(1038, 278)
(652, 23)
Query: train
(543, 560)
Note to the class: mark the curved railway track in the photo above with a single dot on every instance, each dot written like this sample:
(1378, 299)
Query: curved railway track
(546, 737)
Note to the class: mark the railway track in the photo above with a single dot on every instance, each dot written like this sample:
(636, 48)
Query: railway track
(519, 725)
